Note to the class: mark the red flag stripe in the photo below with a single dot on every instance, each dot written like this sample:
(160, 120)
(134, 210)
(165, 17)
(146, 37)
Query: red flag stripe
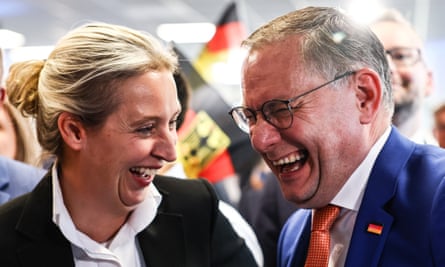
(218, 169)
(227, 36)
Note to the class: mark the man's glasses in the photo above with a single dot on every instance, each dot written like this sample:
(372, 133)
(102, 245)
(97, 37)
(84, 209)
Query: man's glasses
(404, 56)
(277, 112)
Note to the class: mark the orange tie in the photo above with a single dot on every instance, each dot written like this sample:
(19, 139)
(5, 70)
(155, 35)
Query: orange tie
(319, 245)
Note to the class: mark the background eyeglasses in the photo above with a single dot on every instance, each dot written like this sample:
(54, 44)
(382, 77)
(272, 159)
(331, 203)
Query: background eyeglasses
(277, 112)
(404, 56)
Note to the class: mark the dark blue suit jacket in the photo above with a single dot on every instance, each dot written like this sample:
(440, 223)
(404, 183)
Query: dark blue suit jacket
(406, 195)
(17, 178)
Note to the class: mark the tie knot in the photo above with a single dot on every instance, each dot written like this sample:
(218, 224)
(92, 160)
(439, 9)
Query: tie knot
(325, 217)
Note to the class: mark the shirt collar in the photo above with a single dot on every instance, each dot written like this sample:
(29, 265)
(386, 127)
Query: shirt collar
(140, 218)
(351, 194)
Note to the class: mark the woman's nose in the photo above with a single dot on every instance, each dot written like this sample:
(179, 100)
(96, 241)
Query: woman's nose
(167, 147)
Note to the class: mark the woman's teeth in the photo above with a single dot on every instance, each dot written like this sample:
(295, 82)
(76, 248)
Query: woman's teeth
(143, 172)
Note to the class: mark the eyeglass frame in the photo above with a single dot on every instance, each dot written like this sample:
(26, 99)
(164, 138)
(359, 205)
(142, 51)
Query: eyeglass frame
(286, 102)
(389, 52)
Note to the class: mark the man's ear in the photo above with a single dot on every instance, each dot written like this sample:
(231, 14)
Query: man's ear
(369, 94)
(72, 130)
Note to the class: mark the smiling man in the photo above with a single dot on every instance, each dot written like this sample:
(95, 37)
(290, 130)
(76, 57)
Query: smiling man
(317, 104)
(411, 78)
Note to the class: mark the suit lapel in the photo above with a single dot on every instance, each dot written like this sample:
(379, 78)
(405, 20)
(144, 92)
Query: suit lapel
(302, 245)
(294, 238)
(47, 245)
(42, 253)
(366, 245)
(163, 242)
(373, 222)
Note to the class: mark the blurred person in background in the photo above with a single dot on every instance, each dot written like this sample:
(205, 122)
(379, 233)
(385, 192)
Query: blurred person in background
(17, 140)
(106, 106)
(411, 78)
(16, 177)
(8, 136)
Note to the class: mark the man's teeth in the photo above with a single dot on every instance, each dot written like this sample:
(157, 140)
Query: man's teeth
(144, 172)
(290, 159)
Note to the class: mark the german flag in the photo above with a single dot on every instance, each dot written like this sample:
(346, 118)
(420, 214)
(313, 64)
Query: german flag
(375, 228)
(210, 144)
(228, 36)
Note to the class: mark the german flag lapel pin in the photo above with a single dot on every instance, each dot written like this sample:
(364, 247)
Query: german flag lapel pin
(375, 228)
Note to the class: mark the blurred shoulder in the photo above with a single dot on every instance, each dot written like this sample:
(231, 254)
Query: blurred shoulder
(17, 178)
(13, 168)
(185, 192)
(173, 184)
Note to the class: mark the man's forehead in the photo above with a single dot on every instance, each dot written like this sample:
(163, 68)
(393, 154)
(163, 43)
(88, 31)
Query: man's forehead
(393, 34)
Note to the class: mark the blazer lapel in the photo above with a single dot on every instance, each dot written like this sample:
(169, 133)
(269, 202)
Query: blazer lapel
(46, 245)
(44, 254)
(373, 221)
(294, 238)
(368, 239)
(163, 242)
(303, 244)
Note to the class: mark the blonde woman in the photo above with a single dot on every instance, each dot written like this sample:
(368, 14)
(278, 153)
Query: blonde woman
(106, 107)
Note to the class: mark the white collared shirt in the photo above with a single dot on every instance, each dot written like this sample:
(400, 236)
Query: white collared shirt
(123, 249)
(349, 198)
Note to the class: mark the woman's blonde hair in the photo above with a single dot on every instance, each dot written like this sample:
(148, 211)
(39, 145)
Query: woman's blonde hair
(81, 75)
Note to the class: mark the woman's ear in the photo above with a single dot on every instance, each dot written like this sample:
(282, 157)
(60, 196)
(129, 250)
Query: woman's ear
(2, 94)
(369, 94)
(72, 130)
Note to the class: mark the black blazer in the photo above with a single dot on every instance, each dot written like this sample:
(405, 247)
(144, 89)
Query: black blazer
(187, 231)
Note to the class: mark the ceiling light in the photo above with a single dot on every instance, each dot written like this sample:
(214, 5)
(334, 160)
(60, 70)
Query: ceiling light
(364, 13)
(11, 39)
(29, 52)
(186, 32)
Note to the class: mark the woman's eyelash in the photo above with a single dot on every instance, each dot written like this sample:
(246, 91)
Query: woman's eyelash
(145, 129)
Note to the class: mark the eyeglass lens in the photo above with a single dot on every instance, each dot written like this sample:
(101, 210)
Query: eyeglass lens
(278, 113)
(404, 56)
